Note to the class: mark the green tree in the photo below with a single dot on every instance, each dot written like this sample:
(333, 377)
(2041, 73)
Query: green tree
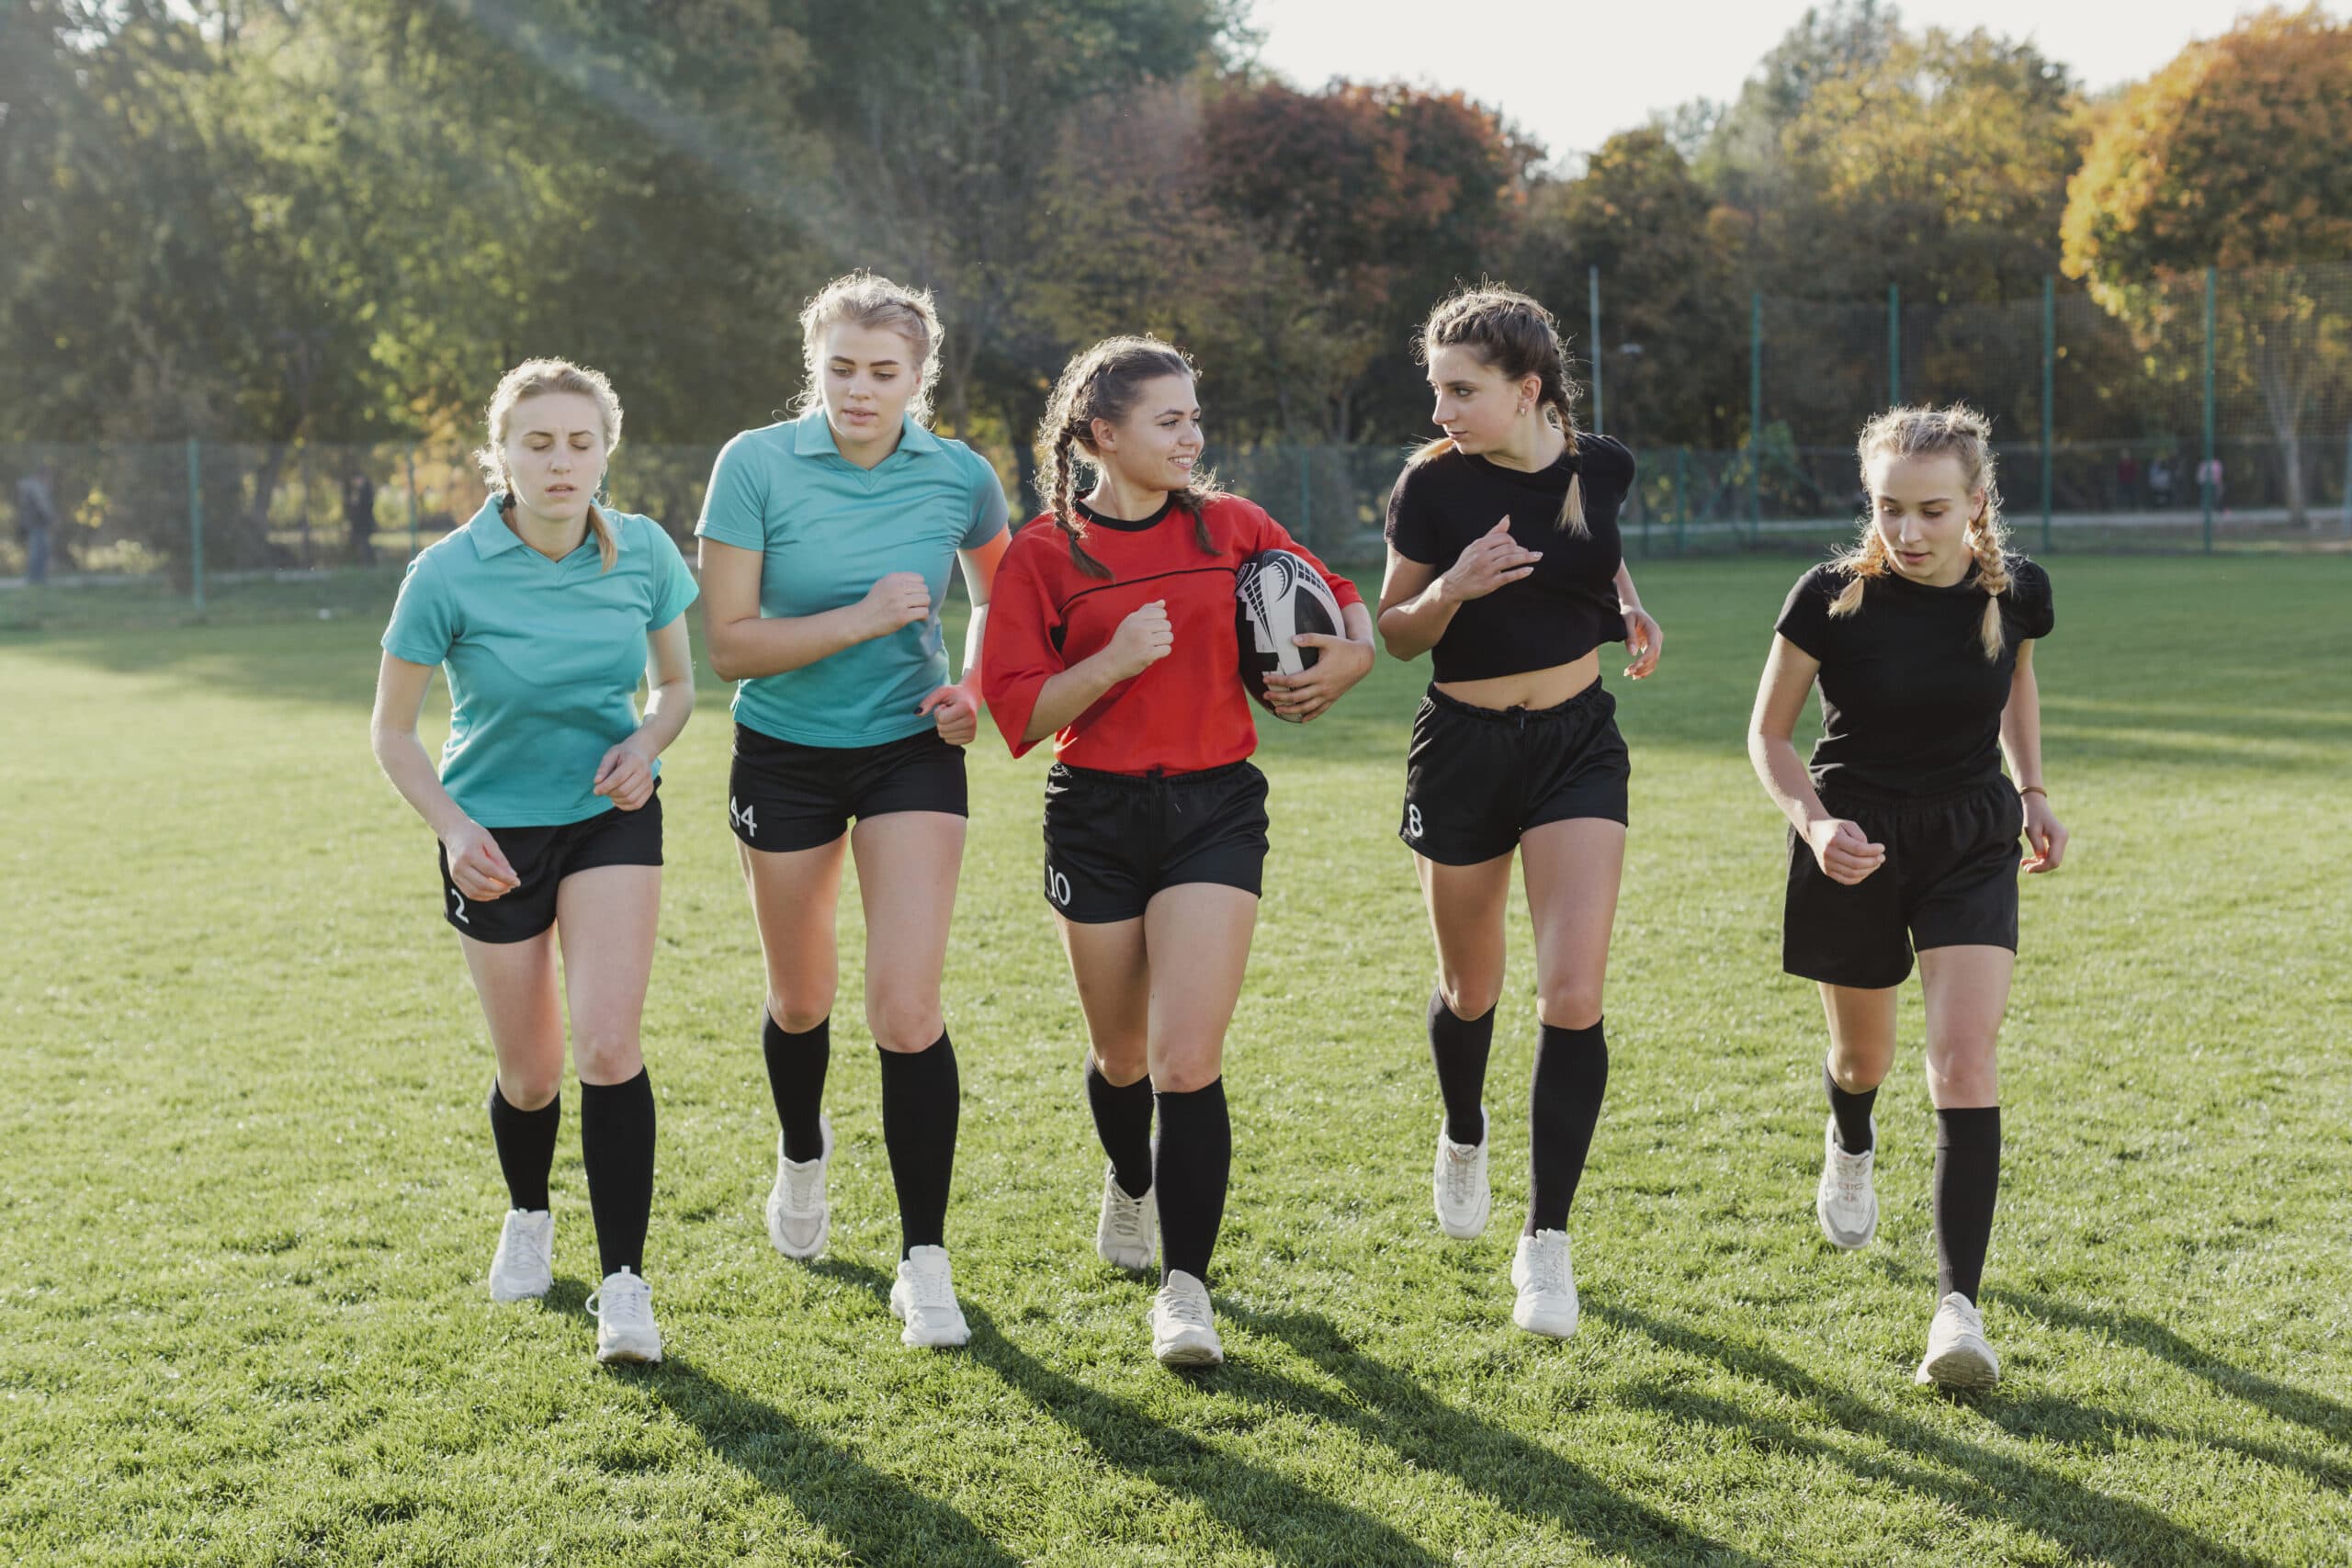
(2233, 156)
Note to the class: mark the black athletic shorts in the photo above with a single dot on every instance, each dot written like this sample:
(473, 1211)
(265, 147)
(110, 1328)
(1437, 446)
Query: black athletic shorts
(543, 857)
(782, 795)
(1950, 879)
(1478, 778)
(1113, 840)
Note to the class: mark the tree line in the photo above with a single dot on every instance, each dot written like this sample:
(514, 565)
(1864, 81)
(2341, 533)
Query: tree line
(278, 221)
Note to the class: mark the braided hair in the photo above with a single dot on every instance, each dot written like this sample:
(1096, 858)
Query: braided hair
(1916, 432)
(1103, 383)
(1509, 332)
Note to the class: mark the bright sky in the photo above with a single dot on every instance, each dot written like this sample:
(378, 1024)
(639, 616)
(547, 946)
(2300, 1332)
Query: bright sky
(1570, 73)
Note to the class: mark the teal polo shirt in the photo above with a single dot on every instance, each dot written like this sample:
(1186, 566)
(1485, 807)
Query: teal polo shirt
(543, 658)
(828, 531)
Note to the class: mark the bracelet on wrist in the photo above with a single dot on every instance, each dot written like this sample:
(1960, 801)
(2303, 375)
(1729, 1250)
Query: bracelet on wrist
(2033, 789)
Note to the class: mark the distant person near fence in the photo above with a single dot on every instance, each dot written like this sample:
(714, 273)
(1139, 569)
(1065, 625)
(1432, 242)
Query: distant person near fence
(359, 516)
(2209, 483)
(36, 515)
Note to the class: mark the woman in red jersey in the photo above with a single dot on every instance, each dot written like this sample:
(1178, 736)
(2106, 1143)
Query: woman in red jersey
(1112, 631)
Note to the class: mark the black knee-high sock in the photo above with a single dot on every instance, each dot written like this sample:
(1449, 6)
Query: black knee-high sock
(1852, 1110)
(1571, 1074)
(1191, 1166)
(616, 1145)
(1123, 1120)
(525, 1141)
(921, 1099)
(797, 1079)
(1968, 1177)
(1459, 1046)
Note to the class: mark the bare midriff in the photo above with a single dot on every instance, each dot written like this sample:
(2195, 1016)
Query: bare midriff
(1529, 688)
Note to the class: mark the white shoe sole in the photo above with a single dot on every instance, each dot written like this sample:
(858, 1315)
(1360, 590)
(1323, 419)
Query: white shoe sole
(1556, 1326)
(520, 1293)
(1191, 1348)
(1962, 1366)
(643, 1352)
(1118, 1258)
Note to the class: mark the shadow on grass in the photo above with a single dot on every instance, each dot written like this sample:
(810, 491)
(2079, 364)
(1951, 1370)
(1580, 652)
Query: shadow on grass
(877, 1518)
(1390, 1407)
(2301, 1406)
(2084, 1523)
(1276, 1515)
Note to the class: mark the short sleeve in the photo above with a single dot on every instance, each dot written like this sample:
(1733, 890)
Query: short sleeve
(1805, 615)
(424, 625)
(989, 512)
(1018, 651)
(735, 507)
(1407, 529)
(2029, 596)
(673, 585)
(1272, 536)
(1608, 464)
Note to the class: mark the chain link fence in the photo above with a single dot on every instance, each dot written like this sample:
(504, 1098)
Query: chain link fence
(2213, 412)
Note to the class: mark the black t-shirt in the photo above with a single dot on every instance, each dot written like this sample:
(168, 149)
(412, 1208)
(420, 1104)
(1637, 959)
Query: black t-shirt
(1556, 613)
(1910, 705)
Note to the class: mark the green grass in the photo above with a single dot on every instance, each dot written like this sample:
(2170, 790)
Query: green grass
(249, 1196)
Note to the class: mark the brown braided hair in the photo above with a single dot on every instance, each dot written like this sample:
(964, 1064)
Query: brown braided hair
(1103, 383)
(1509, 332)
(1917, 431)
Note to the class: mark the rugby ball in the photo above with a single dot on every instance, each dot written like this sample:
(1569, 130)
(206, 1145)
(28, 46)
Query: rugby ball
(1276, 596)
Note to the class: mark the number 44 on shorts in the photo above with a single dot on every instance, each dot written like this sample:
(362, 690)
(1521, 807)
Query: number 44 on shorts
(741, 816)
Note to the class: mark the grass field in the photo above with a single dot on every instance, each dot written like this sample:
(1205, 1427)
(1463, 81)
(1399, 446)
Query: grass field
(249, 1195)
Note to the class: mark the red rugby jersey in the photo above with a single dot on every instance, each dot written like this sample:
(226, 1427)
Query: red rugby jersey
(1187, 712)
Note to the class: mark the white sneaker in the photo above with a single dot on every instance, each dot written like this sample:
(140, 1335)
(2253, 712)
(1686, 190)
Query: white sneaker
(798, 1217)
(1546, 1285)
(1458, 1183)
(924, 1299)
(1845, 1203)
(622, 1307)
(1124, 1233)
(1184, 1330)
(524, 1267)
(1958, 1356)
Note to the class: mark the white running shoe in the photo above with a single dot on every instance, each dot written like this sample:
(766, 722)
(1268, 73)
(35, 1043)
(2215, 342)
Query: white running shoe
(1458, 1183)
(1958, 1355)
(1125, 1233)
(623, 1308)
(1546, 1285)
(1184, 1330)
(924, 1299)
(798, 1217)
(523, 1269)
(1845, 1203)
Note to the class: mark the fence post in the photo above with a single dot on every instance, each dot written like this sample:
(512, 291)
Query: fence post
(2049, 383)
(1756, 412)
(1682, 497)
(2204, 483)
(1894, 343)
(412, 503)
(1306, 492)
(1592, 284)
(195, 524)
(2347, 480)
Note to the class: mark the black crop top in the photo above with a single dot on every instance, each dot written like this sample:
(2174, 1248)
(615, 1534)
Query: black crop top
(1556, 613)
(1910, 705)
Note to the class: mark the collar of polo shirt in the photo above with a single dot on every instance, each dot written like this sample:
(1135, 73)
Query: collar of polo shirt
(814, 438)
(492, 536)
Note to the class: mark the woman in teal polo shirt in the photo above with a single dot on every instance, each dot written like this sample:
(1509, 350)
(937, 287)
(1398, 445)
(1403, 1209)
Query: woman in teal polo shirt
(826, 545)
(543, 612)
